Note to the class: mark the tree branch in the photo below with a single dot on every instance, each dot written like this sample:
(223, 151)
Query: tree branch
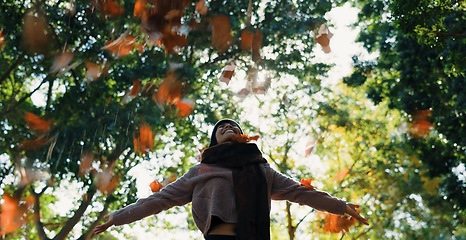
(87, 235)
(39, 225)
(15, 65)
(87, 199)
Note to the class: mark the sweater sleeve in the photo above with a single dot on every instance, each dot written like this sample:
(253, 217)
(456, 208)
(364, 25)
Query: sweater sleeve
(284, 188)
(177, 193)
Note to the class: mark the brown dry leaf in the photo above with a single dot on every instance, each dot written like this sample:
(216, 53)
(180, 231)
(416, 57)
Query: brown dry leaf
(86, 163)
(35, 37)
(61, 61)
(221, 33)
(173, 14)
(35, 143)
(309, 147)
(136, 86)
(106, 181)
(139, 8)
(93, 71)
(323, 36)
(37, 124)
(227, 72)
(201, 8)
(256, 46)
(246, 39)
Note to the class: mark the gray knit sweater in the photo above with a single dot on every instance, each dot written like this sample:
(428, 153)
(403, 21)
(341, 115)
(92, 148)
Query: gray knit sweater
(210, 189)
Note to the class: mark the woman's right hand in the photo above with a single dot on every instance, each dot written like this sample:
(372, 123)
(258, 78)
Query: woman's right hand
(103, 227)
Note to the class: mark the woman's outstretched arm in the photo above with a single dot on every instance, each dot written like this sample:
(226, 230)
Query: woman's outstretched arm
(101, 228)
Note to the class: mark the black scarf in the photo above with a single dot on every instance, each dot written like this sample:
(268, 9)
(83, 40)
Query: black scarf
(250, 185)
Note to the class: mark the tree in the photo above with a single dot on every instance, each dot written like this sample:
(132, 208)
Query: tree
(119, 79)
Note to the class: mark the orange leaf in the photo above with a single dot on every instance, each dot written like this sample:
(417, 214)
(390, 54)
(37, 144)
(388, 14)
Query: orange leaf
(184, 107)
(155, 186)
(309, 147)
(135, 89)
(123, 45)
(35, 38)
(108, 7)
(336, 223)
(61, 61)
(13, 212)
(139, 8)
(244, 138)
(144, 140)
(420, 126)
(307, 183)
(201, 8)
(221, 33)
(169, 91)
(36, 123)
(341, 174)
(93, 71)
(35, 143)
(2, 40)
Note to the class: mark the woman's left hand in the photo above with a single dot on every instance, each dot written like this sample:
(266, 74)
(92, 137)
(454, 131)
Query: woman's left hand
(351, 210)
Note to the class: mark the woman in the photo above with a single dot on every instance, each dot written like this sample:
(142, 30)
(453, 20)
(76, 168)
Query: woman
(230, 191)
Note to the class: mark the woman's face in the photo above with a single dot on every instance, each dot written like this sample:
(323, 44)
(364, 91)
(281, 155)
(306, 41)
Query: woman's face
(226, 131)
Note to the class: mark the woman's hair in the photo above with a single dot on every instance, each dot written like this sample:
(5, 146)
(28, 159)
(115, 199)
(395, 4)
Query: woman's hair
(213, 138)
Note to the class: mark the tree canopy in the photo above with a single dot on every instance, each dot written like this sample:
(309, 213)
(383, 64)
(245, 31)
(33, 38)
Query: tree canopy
(93, 89)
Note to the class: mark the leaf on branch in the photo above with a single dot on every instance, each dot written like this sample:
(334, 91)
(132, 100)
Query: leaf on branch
(35, 37)
(200, 7)
(13, 213)
(227, 73)
(143, 140)
(221, 33)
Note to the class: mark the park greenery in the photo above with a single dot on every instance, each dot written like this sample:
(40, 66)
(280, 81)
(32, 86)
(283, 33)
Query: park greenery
(92, 90)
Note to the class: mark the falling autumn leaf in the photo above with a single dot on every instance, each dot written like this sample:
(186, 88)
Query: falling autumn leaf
(139, 8)
(37, 124)
(307, 183)
(2, 40)
(185, 107)
(123, 45)
(169, 91)
(420, 126)
(86, 163)
(35, 143)
(35, 37)
(106, 181)
(221, 33)
(256, 45)
(155, 186)
(309, 147)
(323, 36)
(244, 138)
(247, 37)
(227, 73)
(341, 175)
(13, 213)
(336, 223)
(200, 7)
(93, 71)
(143, 141)
(107, 7)
(61, 62)
(136, 86)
